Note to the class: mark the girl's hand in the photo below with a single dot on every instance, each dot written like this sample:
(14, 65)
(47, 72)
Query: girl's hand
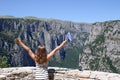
(18, 41)
(69, 37)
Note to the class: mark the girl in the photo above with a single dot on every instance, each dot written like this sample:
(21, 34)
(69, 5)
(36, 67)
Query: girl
(41, 58)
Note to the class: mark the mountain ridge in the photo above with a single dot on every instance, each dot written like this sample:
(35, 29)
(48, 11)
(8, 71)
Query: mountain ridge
(86, 49)
(36, 32)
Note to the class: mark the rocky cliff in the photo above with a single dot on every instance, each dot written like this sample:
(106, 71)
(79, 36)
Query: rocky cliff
(102, 49)
(34, 32)
(95, 46)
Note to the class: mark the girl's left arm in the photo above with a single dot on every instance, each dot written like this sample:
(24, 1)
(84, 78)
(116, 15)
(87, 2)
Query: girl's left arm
(49, 56)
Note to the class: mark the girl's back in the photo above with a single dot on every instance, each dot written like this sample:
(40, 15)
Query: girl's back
(41, 72)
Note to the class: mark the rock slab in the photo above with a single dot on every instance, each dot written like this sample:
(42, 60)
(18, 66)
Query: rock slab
(55, 73)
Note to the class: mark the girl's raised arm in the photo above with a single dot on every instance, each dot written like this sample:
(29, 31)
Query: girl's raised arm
(32, 55)
(49, 56)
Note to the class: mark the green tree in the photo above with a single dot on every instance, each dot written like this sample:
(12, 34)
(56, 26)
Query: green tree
(3, 62)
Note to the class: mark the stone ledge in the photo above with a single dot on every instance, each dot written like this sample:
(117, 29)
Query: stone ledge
(55, 73)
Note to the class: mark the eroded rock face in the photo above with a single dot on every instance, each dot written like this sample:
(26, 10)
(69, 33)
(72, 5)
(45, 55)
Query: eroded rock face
(102, 49)
(38, 32)
(55, 73)
(94, 46)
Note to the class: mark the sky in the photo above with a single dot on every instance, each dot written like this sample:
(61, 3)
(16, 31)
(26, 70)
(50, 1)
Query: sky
(72, 10)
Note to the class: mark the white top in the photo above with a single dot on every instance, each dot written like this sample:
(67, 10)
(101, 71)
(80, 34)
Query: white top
(41, 72)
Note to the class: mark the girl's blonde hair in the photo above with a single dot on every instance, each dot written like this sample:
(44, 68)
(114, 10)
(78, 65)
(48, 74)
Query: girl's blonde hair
(41, 55)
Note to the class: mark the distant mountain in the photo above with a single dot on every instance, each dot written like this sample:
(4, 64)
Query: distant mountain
(95, 46)
(34, 32)
(102, 49)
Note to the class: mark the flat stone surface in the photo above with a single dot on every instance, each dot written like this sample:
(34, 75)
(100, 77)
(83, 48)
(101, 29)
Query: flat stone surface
(55, 73)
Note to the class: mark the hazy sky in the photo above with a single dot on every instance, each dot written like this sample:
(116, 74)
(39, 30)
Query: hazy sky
(72, 10)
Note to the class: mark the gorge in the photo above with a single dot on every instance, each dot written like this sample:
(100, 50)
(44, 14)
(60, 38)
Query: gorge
(95, 46)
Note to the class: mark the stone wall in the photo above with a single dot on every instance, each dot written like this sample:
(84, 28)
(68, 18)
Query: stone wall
(55, 73)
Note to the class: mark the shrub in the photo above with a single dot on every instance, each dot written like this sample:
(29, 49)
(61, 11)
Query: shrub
(3, 62)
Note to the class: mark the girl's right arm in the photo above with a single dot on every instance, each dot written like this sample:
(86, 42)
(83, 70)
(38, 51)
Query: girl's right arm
(32, 55)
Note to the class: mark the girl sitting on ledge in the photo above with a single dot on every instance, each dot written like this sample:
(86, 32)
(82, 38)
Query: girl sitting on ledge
(41, 58)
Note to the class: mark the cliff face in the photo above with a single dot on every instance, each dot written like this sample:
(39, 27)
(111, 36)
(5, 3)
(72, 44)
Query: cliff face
(34, 32)
(102, 49)
(95, 46)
